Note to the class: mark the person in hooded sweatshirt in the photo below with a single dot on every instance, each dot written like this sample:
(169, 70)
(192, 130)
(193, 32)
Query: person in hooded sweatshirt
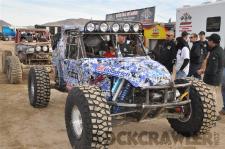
(182, 58)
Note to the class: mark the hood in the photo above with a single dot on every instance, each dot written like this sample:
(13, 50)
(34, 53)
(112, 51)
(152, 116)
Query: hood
(139, 71)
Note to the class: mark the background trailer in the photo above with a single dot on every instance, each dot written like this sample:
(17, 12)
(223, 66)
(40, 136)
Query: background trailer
(208, 17)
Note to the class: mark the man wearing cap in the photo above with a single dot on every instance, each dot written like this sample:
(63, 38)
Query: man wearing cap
(168, 52)
(214, 69)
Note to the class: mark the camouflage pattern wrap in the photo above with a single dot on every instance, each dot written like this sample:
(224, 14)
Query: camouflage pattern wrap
(139, 71)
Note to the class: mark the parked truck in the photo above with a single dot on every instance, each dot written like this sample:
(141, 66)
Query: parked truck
(7, 33)
(208, 17)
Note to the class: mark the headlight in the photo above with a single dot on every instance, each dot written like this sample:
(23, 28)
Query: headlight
(90, 27)
(38, 48)
(115, 27)
(30, 50)
(50, 50)
(136, 27)
(103, 27)
(126, 27)
(45, 48)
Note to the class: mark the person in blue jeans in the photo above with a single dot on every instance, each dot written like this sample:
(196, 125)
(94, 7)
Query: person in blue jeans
(222, 112)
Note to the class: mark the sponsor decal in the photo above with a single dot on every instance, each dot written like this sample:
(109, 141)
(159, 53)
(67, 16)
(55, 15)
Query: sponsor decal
(186, 23)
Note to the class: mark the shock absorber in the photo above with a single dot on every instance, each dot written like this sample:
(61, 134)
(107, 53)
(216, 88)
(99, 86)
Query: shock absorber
(125, 92)
(123, 95)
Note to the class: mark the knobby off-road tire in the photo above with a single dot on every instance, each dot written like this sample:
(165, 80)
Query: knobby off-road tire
(203, 115)
(88, 104)
(5, 54)
(13, 70)
(39, 87)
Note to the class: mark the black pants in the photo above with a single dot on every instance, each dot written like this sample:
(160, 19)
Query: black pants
(193, 71)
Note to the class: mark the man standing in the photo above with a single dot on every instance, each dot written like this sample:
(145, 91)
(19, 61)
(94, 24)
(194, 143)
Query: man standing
(196, 57)
(168, 51)
(203, 42)
(214, 68)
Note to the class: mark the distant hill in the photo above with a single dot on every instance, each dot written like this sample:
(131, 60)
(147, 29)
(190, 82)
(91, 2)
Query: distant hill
(3, 23)
(80, 21)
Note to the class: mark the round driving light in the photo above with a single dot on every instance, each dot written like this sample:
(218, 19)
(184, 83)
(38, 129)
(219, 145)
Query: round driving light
(38, 48)
(116, 27)
(50, 50)
(90, 27)
(103, 27)
(45, 49)
(30, 50)
(136, 27)
(126, 27)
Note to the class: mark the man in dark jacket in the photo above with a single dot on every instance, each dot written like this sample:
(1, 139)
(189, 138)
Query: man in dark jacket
(168, 52)
(123, 46)
(214, 69)
(196, 56)
(203, 42)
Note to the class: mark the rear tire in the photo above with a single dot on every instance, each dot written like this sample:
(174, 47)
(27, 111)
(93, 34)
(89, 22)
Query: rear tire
(5, 54)
(93, 110)
(39, 87)
(13, 70)
(202, 117)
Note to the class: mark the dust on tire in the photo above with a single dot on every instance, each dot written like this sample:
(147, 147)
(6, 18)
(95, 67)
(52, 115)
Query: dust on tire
(95, 116)
(203, 111)
(14, 70)
(39, 95)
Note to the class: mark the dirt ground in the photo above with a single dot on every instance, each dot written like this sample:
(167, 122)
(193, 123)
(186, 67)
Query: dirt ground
(23, 127)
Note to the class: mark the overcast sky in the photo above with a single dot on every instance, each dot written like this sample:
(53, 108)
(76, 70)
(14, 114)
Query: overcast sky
(30, 12)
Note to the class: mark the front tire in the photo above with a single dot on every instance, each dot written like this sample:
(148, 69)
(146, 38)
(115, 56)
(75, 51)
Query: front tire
(87, 118)
(202, 117)
(39, 87)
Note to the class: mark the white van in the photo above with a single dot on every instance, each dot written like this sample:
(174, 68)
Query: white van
(208, 17)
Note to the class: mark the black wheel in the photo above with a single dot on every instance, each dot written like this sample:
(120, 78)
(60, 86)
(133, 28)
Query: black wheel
(13, 70)
(87, 118)
(39, 87)
(199, 116)
(58, 86)
(4, 62)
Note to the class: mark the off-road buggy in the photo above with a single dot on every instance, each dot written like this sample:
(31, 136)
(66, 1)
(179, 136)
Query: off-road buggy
(129, 85)
(32, 47)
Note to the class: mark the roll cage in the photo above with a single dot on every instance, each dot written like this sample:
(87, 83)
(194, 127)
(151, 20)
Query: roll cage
(77, 38)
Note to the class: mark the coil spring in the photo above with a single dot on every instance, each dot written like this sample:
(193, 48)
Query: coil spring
(125, 92)
(123, 96)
